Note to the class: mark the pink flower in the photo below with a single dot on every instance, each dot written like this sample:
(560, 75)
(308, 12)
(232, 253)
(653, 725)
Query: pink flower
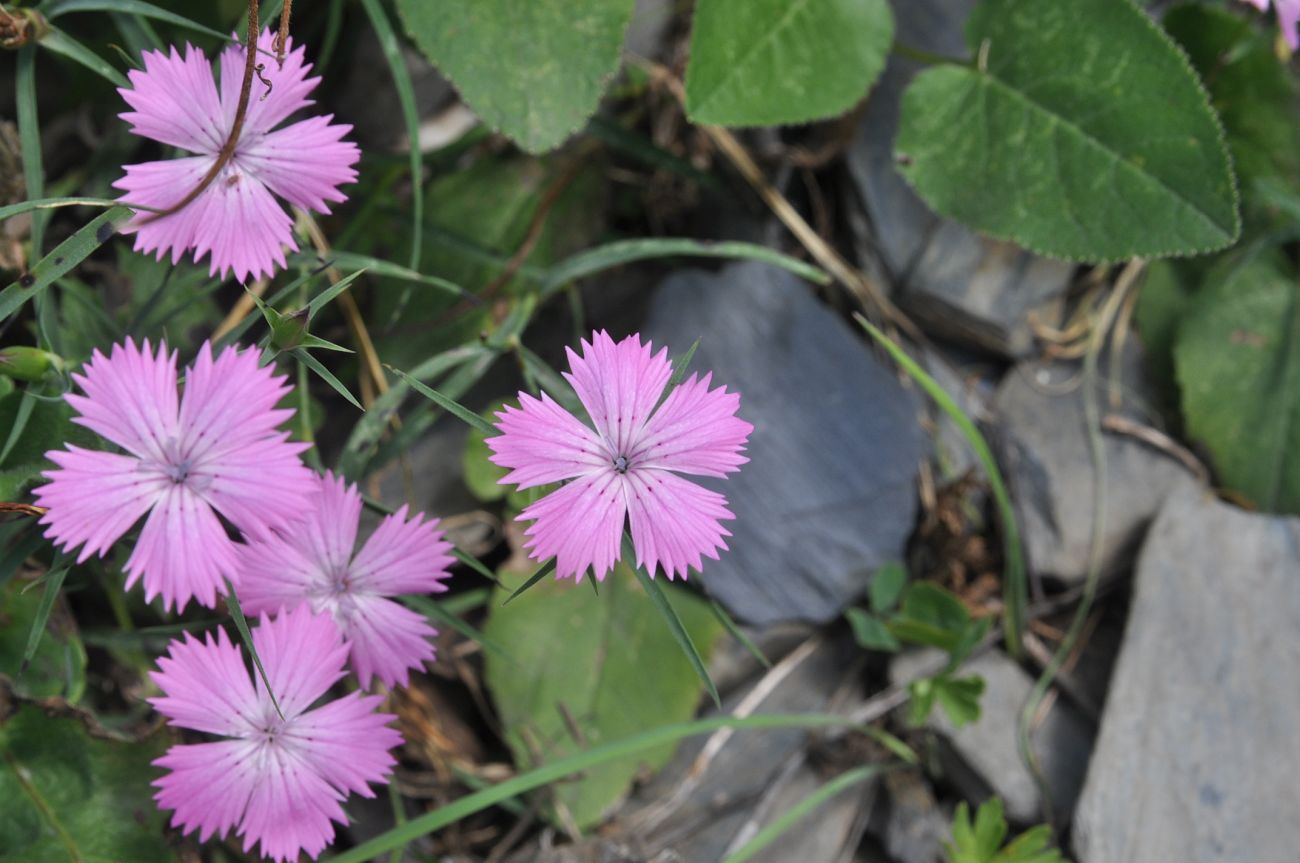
(1288, 18)
(176, 102)
(276, 781)
(213, 451)
(313, 562)
(628, 467)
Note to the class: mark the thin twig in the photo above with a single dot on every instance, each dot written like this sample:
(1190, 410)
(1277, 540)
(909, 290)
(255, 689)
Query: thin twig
(282, 37)
(227, 151)
(1153, 437)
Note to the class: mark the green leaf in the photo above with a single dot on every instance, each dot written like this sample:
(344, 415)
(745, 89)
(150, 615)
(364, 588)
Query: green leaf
(57, 665)
(616, 254)
(886, 587)
(533, 70)
(959, 697)
(1237, 357)
(48, 425)
(451, 406)
(60, 262)
(981, 842)
(767, 62)
(131, 7)
(930, 616)
(870, 632)
(1252, 92)
(1082, 133)
(595, 669)
(67, 795)
(61, 43)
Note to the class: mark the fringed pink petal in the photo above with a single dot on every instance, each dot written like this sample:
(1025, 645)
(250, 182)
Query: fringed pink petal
(303, 655)
(161, 186)
(619, 385)
(183, 552)
(385, 640)
(348, 742)
(175, 101)
(292, 808)
(208, 785)
(95, 497)
(695, 431)
(275, 95)
(402, 556)
(543, 443)
(206, 687)
(130, 398)
(579, 524)
(674, 521)
(304, 163)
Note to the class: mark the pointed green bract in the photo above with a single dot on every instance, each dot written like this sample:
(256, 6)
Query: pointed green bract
(533, 70)
(1080, 132)
(767, 62)
(1238, 371)
(595, 669)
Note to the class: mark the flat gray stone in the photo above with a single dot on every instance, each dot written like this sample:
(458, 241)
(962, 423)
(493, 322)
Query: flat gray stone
(987, 758)
(956, 283)
(829, 492)
(1041, 441)
(1199, 750)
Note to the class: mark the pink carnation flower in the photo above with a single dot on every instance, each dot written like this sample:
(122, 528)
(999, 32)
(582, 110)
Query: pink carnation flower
(313, 562)
(176, 101)
(1288, 18)
(627, 468)
(213, 451)
(276, 781)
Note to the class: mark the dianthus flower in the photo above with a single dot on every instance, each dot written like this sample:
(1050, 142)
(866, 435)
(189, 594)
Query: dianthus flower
(277, 781)
(627, 468)
(214, 450)
(176, 101)
(312, 561)
(1288, 18)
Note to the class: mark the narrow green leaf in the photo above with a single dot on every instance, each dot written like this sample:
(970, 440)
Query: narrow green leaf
(53, 582)
(622, 252)
(1014, 586)
(1081, 132)
(53, 203)
(541, 572)
(406, 98)
(789, 818)
(452, 406)
(566, 51)
(59, 262)
(17, 554)
(328, 295)
(61, 43)
(439, 615)
(380, 267)
(55, 8)
(475, 564)
(769, 62)
(29, 141)
(237, 614)
(557, 770)
(25, 407)
(680, 635)
(739, 634)
(326, 375)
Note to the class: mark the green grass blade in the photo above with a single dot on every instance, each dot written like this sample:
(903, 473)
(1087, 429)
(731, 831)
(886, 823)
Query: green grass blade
(52, 203)
(475, 564)
(788, 819)
(53, 581)
(665, 608)
(63, 44)
(542, 571)
(737, 633)
(452, 406)
(328, 295)
(326, 375)
(627, 251)
(556, 770)
(237, 614)
(380, 267)
(20, 551)
(1014, 586)
(29, 140)
(62, 260)
(439, 615)
(25, 407)
(406, 98)
(56, 8)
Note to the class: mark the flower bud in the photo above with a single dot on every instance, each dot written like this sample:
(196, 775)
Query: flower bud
(28, 364)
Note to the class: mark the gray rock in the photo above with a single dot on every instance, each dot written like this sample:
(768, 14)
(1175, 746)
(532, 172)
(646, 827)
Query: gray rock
(958, 284)
(986, 758)
(916, 827)
(1042, 445)
(829, 493)
(1198, 756)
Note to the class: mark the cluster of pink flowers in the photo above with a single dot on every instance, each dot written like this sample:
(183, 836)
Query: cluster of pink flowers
(187, 462)
(198, 462)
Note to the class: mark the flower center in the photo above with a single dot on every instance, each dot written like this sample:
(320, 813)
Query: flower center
(179, 471)
(620, 464)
